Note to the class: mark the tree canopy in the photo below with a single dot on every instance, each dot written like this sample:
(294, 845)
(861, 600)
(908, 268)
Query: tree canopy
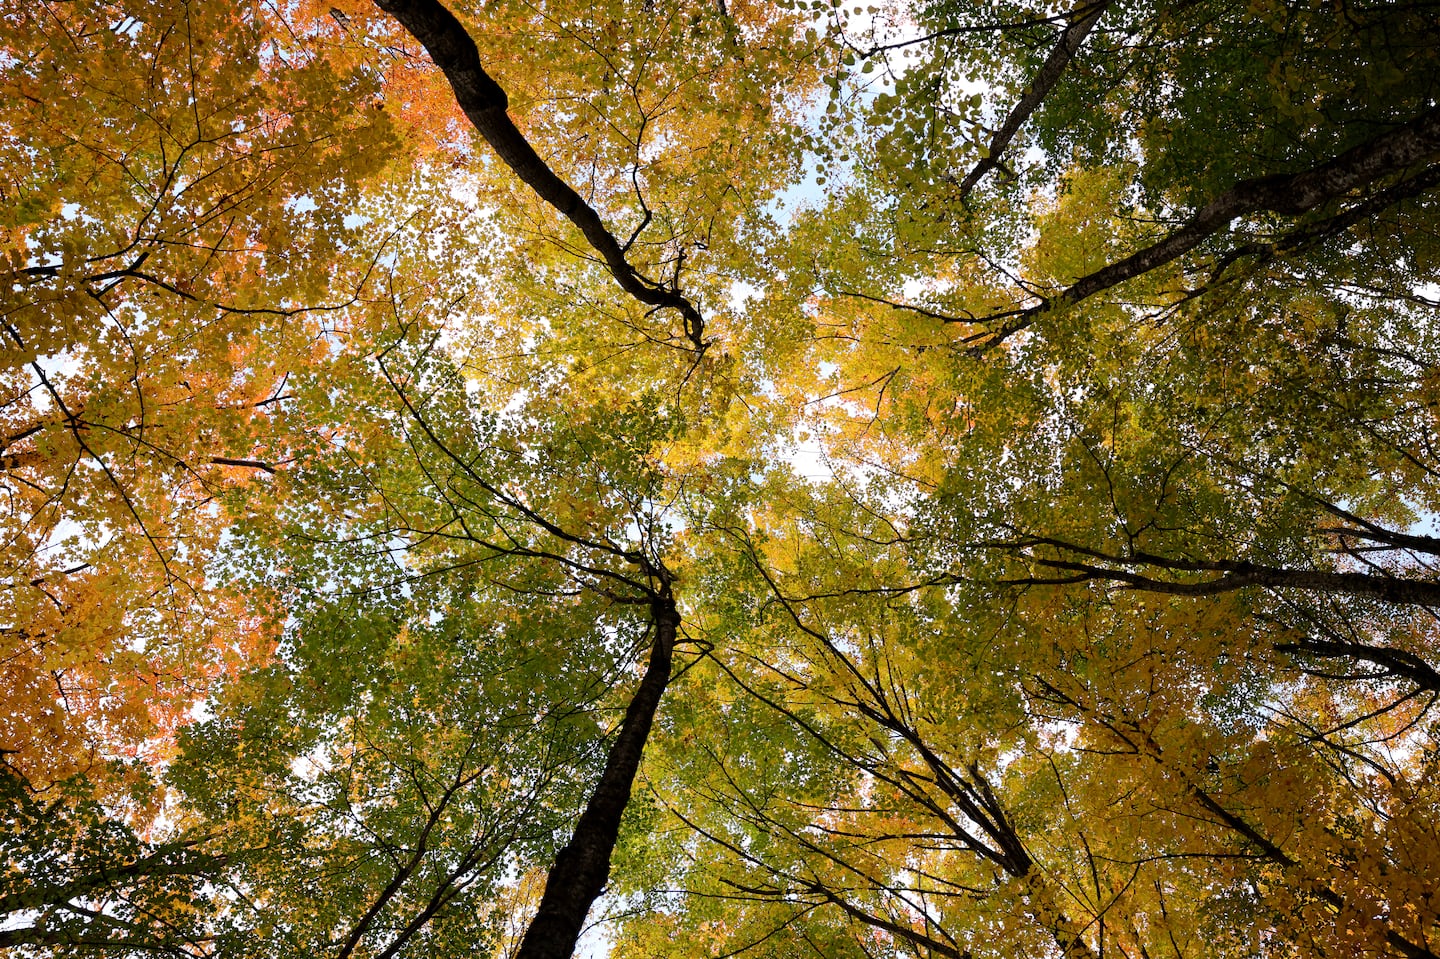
(720, 477)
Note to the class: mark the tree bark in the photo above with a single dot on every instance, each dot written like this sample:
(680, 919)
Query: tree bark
(582, 867)
(485, 103)
(1285, 194)
(1071, 38)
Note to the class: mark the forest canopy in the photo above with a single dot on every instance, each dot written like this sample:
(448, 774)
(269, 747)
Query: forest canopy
(720, 478)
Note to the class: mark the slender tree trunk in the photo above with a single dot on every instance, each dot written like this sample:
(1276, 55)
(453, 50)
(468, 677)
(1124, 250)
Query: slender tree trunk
(582, 867)
(1082, 22)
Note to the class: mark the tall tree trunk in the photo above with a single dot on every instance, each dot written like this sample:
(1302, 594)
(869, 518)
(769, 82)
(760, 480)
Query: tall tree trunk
(582, 867)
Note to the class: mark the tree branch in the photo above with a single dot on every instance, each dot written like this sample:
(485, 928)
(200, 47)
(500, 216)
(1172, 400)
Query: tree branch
(1285, 194)
(485, 103)
(1082, 21)
(1390, 589)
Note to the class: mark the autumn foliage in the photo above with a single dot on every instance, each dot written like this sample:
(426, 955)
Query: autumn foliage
(719, 478)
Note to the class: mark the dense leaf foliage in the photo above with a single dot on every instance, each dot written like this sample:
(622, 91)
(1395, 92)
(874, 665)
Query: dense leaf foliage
(720, 478)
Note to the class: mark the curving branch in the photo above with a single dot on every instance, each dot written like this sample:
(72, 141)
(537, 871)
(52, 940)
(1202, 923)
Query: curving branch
(1294, 194)
(485, 103)
(1390, 661)
(1078, 564)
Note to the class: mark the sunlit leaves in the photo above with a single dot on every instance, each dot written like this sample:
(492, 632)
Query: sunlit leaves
(1018, 616)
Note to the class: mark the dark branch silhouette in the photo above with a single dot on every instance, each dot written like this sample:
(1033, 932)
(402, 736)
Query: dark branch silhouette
(1082, 21)
(1384, 156)
(485, 103)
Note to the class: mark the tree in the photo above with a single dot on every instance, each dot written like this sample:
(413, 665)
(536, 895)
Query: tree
(159, 263)
(430, 390)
